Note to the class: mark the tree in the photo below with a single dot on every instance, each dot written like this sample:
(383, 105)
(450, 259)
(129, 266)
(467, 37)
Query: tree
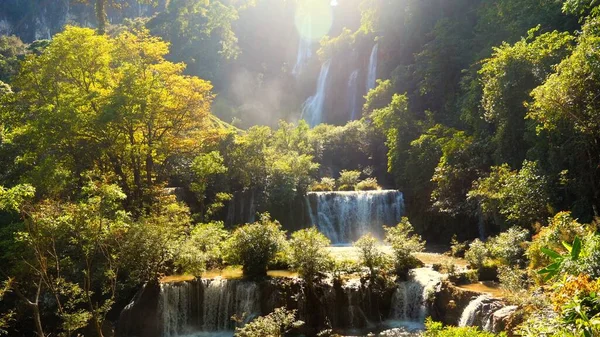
(116, 105)
(308, 253)
(507, 78)
(564, 105)
(371, 256)
(404, 243)
(517, 197)
(255, 245)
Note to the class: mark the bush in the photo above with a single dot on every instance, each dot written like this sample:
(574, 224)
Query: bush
(371, 256)
(348, 180)
(275, 324)
(255, 245)
(369, 184)
(562, 228)
(458, 249)
(436, 329)
(203, 249)
(325, 185)
(308, 253)
(509, 247)
(476, 254)
(404, 242)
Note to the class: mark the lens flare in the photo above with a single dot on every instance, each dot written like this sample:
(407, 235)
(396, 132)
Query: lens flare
(313, 19)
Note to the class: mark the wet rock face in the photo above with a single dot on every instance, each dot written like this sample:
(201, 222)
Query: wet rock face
(207, 305)
(450, 302)
(506, 319)
(139, 318)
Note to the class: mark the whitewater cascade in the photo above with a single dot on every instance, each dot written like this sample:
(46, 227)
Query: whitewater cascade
(346, 216)
(352, 88)
(206, 305)
(372, 75)
(304, 47)
(409, 302)
(480, 312)
(312, 109)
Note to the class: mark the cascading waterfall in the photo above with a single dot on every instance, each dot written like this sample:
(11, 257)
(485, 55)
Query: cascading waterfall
(206, 305)
(312, 109)
(372, 75)
(304, 47)
(480, 312)
(352, 88)
(346, 216)
(409, 302)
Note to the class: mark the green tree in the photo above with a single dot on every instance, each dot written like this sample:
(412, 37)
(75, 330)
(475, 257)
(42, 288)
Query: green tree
(255, 245)
(404, 242)
(563, 105)
(308, 253)
(371, 256)
(116, 105)
(517, 197)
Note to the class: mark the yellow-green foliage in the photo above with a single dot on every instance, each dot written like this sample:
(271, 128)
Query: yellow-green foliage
(369, 184)
(436, 329)
(562, 228)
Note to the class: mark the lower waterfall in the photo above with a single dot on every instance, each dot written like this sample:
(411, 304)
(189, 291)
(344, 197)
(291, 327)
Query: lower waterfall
(346, 216)
(480, 312)
(409, 302)
(206, 305)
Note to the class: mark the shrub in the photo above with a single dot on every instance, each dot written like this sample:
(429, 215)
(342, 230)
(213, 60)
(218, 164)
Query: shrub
(404, 242)
(437, 329)
(515, 283)
(371, 256)
(308, 253)
(458, 249)
(348, 180)
(255, 245)
(203, 249)
(562, 228)
(325, 185)
(369, 184)
(509, 247)
(477, 254)
(275, 324)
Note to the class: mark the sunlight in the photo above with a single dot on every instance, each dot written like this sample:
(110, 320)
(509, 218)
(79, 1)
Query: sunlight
(314, 19)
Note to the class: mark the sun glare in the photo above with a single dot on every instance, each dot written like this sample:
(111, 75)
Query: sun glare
(314, 19)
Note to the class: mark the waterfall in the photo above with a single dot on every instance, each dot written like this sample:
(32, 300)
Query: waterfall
(372, 75)
(480, 312)
(346, 216)
(352, 88)
(206, 305)
(304, 47)
(312, 109)
(409, 302)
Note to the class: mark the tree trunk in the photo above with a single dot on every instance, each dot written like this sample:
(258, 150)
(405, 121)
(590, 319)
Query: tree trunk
(101, 16)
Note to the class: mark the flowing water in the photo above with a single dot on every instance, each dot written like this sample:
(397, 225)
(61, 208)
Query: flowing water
(206, 306)
(304, 47)
(372, 75)
(352, 95)
(346, 216)
(312, 109)
(409, 303)
(480, 312)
